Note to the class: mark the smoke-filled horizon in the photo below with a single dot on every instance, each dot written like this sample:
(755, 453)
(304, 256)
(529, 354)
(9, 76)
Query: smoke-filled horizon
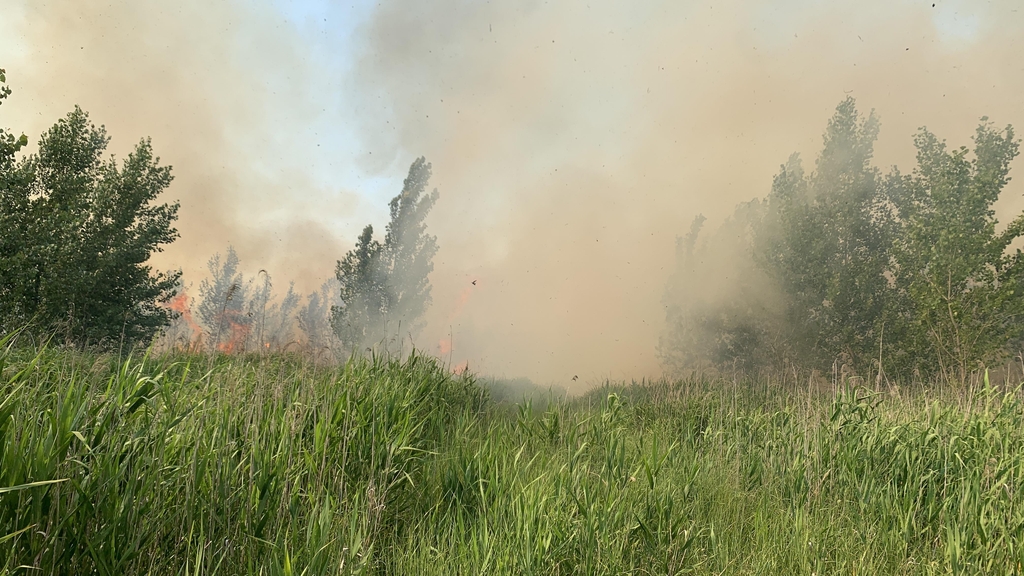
(571, 142)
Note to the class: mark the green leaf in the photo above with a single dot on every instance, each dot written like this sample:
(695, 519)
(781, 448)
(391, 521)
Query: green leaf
(4, 490)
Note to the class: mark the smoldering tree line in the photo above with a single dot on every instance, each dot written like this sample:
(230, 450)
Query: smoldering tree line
(888, 275)
(232, 313)
(375, 300)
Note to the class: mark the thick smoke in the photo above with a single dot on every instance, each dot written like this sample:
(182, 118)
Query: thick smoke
(229, 97)
(572, 142)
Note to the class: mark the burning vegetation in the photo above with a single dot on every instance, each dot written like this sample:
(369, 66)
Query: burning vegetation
(376, 299)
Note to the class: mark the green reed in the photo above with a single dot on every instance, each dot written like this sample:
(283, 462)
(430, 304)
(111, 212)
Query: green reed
(190, 464)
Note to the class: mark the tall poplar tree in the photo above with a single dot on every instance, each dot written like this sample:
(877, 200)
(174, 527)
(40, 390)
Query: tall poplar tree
(385, 287)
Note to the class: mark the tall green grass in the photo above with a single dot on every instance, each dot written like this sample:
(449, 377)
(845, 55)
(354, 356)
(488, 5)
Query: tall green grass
(182, 464)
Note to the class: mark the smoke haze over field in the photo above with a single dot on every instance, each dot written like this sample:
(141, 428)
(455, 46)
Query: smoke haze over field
(571, 141)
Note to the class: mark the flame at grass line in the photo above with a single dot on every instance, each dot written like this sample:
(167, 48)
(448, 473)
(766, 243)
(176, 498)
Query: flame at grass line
(238, 335)
(180, 305)
(192, 339)
(445, 344)
(234, 332)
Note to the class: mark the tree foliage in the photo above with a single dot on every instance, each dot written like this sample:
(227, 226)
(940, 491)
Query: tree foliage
(79, 229)
(9, 144)
(408, 251)
(902, 274)
(959, 290)
(360, 317)
(385, 287)
(826, 243)
(14, 180)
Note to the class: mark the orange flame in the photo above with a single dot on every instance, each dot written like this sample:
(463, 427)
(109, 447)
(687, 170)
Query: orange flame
(235, 333)
(461, 302)
(445, 344)
(239, 333)
(179, 304)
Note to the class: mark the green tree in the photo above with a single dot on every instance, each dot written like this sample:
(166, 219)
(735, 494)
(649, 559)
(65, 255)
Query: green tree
(359, 319)
(14, 180)
(385, 287)
(961, 292)
(826, 240)
(802, 277)
(9, 144)
(84, 228)
(900, 274)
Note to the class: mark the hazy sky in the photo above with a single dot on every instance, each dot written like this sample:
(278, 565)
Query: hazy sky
(571, 141)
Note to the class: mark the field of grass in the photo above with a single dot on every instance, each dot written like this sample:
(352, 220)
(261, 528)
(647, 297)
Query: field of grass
(188, 464)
